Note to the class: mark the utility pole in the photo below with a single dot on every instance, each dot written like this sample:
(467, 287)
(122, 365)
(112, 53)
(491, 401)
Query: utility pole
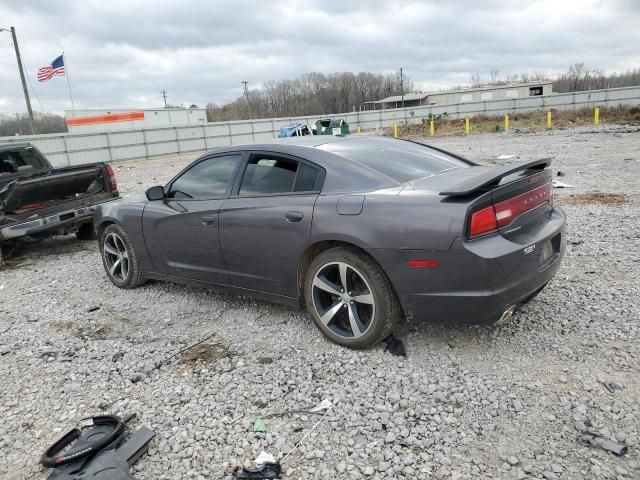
(402, 86)
(246, 94)
(22, 77)
(164, 96)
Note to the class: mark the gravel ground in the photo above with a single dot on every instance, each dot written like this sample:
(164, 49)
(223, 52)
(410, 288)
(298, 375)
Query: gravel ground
(468, 402)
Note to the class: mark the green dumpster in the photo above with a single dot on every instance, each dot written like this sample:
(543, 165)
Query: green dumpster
(332, 126)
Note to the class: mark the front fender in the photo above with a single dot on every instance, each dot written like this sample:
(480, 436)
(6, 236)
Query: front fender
(128, 215)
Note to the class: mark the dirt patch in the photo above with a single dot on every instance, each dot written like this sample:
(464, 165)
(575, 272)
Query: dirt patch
(205, 353)
(99, 333)
(591, 198)
(62, 325)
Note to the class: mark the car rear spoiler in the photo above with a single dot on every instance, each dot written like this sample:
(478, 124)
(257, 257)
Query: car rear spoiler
(491, 176)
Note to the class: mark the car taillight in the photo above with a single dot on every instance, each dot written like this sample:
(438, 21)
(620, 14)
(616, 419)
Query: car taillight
(488, 219)
(483, 221)
(112, 177)
(509, 209)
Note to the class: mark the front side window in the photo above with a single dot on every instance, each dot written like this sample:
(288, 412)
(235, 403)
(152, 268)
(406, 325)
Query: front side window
(210, 178)
(268, 174)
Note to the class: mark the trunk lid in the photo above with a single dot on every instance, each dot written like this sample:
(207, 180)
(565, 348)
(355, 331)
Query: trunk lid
(510, 199)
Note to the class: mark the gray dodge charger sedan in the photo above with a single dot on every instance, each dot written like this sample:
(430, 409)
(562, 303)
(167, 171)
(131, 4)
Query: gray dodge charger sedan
(361, 230)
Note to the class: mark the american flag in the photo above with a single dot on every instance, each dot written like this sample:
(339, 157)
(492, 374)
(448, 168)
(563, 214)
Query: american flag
(48, 72)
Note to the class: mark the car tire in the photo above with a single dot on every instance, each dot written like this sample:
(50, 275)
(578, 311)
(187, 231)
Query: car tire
(119, 258)
(86, 232)
(368, 305)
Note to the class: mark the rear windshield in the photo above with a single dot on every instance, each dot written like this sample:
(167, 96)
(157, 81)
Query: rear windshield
(15, 161)
(401, 161)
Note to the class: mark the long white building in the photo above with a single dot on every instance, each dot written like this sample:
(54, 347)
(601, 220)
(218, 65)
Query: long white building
(108, 120)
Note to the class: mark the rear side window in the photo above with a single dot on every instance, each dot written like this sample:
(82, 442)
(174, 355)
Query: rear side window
(307, 178)
(20, 160)
(270, 174)
(402, 161)
(207, 179)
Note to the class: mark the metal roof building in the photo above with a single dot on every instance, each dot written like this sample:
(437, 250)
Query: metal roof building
(477, 94)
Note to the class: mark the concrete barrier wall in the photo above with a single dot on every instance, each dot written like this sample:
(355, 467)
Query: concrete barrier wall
(75, 149)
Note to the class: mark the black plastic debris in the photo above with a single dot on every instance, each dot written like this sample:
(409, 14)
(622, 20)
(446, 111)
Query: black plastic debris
(395, 346)
(560, 173)
(93, 309)
(265, 471)
(99, 450)
(605, 443)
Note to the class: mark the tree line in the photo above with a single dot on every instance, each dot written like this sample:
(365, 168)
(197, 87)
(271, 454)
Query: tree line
(311, 94)
(18, 124)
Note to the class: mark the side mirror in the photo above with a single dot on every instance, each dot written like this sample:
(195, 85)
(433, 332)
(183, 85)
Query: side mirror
(155, 193)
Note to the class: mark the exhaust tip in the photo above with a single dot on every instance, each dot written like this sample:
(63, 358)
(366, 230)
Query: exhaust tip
(506, 315)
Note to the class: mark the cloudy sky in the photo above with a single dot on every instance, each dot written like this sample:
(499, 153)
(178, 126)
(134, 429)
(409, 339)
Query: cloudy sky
(122, 53)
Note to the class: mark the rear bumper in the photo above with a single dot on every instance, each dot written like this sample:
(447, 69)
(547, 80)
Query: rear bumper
(476, 281)
(60, 220)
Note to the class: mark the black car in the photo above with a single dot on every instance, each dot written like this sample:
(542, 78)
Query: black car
(360, 230)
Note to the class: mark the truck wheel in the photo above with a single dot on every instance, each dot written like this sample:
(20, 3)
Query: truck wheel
(86, 232)
(119, 258)
(350, 298)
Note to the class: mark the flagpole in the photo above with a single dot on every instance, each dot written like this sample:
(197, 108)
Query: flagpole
(66, 70)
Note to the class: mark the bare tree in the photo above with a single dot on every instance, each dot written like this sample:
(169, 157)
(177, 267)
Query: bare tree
(475, 80)
(576, 73)
(18, 124)
(494, 76)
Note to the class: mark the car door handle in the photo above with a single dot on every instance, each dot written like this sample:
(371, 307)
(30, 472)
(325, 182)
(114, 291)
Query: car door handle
(208, 219)
(293, 216)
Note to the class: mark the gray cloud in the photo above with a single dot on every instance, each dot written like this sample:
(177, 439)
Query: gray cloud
(122, 53)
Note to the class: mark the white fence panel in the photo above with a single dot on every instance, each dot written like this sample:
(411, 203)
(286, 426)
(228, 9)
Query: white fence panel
(76, 149)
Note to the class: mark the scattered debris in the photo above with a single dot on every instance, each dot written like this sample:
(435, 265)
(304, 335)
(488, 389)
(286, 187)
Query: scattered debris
(395, 346)
(117, 356)
(265, 471)
(560, 174)
(559, 184)
(323, 405)
(92, 451)
(612, 386)
(504, 157)
(317, 410)
(93, 309)
(603, 442)
(259, 428)
(265, 360)
(263, 458)
(595, 198)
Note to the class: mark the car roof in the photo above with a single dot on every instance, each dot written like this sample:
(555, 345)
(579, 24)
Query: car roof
(342, 174)
(14, 146)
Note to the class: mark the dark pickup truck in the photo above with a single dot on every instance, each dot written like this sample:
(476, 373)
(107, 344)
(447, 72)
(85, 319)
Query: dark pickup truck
(37, 200)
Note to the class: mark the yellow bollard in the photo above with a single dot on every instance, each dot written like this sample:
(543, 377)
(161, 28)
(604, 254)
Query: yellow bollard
(506, 122)
(432, 128)
(596, 116)
(466, 125)
(358, 130)
(395, 130)
(548, 120)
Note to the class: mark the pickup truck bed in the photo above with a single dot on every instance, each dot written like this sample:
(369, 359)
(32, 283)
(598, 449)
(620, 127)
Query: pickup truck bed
(38, 200)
